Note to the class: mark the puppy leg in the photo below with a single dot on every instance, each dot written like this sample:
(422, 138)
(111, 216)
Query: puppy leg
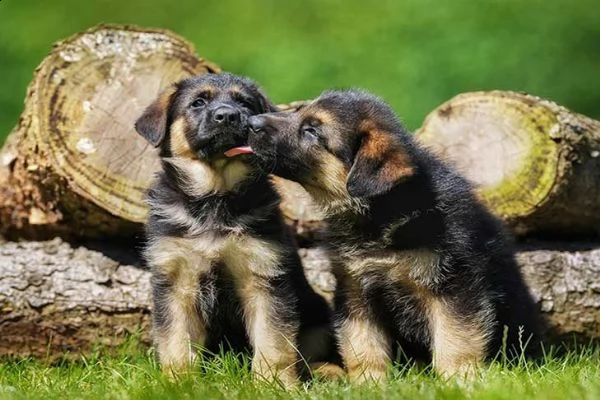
(459, 342)
(178, 329)
(317, 346)
(364, 346)
(272, 325)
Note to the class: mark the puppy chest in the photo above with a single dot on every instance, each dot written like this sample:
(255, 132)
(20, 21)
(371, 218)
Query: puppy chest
(408, 266)
(248, 256)
(403, 277)
(189, 258)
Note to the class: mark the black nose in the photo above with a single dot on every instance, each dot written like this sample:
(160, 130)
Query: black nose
(258, 124)
(226, 115)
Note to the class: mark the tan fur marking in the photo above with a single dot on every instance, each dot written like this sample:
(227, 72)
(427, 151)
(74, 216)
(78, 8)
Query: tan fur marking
(178, 344)
(183, 261)
(235, 91)
(231, 172)
(364, 347)
(275, 355)
(328, 184)
(180, 146)
(378, 144)
(207, 89)
(332, 176)
(414, 266)
(401, 266)
(459, 345)
(251, 261)
(171, 252)
(201, 178)
(327, 371)
(324, 117)
(331, 127)
(245, 256)
(329, 123)
(365, 350)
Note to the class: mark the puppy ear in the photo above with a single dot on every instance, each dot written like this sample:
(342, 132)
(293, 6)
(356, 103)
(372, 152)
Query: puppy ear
(265, 104)
(152, 125)
(380, 163)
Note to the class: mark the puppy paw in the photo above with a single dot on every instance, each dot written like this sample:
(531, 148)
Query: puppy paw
(368, 375)
(285, 375)
(326, 371)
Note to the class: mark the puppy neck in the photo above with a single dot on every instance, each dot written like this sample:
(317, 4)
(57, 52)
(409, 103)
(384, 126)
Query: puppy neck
(409, 211)
(201, 178)
(328, 188)
(338, 202)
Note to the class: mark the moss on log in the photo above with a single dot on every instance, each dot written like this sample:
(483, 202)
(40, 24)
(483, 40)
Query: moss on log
(535, 163)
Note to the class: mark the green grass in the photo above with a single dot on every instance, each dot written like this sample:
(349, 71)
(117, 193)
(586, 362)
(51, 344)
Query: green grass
(573, 375)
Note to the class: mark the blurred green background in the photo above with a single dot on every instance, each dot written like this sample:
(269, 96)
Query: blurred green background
(414, 53)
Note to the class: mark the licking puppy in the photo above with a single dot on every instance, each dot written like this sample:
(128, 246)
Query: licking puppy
(225, 271)
(422, 266)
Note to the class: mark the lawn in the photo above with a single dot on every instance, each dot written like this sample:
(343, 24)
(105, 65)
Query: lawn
(573, 375)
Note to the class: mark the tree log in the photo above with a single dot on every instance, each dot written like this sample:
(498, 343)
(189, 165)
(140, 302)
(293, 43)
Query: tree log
(534, 163)
(74, 164)
(57, 297)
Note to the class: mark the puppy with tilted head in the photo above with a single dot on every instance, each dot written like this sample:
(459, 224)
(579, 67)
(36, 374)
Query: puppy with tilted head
(225, 270)
(422, 266)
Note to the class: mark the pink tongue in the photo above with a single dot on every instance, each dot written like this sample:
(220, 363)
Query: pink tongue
(239, 150)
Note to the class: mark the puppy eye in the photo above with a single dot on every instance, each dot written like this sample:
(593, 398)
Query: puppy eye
(311, 131)
(198, 103)
(246, 103)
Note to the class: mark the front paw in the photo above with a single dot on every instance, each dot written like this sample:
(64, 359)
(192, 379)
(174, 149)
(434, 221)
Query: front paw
(283, 373)
(362, 374)
(176, 368)
(326, 371)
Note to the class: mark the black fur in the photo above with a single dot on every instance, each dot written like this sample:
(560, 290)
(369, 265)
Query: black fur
(431, 208)
(250, 208)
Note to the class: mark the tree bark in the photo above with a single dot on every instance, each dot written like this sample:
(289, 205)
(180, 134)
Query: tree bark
(563, 279)
(74, 164)
(300, 211)
(534, 163)
(57, 297)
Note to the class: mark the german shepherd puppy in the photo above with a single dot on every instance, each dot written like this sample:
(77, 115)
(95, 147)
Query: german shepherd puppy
(422, 266)
(224, 268)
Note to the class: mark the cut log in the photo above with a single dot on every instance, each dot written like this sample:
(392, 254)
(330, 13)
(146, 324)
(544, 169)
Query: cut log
(563, 279)
(61, 298)
(534, 163)
(74, 164)
(57, 297)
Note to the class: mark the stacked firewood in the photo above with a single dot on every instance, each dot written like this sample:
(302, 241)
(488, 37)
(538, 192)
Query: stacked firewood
(73, 174)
